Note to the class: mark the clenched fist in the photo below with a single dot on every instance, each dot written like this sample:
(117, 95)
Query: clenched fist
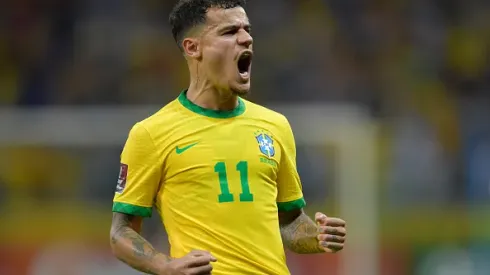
(196, 262)
(332, 233)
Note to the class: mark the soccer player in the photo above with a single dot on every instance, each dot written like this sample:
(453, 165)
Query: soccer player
(220, 170)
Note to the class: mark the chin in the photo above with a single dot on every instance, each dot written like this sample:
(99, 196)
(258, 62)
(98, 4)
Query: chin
(241, 90)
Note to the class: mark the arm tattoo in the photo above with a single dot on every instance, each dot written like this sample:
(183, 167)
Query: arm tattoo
(300, 235)
(130, 247)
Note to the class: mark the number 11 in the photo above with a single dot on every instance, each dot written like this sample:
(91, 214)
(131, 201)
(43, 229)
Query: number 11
(225, 195)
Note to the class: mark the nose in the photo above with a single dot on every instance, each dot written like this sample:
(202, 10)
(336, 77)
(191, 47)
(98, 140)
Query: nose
(244, 38)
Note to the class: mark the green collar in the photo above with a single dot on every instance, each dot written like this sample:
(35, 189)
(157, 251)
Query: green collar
(240, 109)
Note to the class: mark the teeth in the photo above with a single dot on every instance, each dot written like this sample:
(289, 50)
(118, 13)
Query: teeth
(246, 55)
(244, 62)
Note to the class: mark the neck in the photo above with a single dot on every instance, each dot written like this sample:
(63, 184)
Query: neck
(203, 94)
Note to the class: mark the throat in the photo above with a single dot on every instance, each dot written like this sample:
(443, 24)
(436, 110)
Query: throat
(213, 100)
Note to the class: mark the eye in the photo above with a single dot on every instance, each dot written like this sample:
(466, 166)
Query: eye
(230, 32)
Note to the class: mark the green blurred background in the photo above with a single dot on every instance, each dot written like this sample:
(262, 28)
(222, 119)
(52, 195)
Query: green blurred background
(389, 101)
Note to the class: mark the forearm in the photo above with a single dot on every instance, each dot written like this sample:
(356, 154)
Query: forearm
(300, 236)
(131, 248)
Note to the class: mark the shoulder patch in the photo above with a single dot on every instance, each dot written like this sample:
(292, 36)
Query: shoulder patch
(121, 181)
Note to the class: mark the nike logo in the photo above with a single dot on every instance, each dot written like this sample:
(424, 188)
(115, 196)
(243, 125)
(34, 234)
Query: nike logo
(185, 148)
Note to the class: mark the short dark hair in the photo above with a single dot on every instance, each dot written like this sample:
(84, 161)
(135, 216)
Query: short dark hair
(187, 14)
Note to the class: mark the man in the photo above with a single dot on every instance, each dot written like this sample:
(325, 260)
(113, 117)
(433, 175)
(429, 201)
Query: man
(220, 170)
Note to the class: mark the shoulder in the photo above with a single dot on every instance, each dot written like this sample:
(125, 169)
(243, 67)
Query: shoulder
(160, 121)
(261, 112)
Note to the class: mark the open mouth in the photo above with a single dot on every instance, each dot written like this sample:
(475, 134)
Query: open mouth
(244, 62)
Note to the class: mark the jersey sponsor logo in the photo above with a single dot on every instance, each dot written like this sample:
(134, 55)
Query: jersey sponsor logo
(266, 144)
(185, 148)
(123, 175)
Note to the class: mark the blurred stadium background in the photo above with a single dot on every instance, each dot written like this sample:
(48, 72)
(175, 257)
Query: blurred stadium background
(389, 100)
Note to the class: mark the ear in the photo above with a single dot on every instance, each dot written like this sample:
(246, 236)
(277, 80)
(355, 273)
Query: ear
(191, 47)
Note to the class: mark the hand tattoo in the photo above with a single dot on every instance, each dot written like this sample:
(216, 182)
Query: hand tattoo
(300, 235)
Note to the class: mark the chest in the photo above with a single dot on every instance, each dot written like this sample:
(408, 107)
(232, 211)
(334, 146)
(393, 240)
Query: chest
(229, 159)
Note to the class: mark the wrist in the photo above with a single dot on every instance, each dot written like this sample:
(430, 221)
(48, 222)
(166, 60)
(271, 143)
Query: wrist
(160, 263)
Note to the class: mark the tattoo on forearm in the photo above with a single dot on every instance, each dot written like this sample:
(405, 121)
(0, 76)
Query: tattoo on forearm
(300, 236)
(142, 251)
(141, 248)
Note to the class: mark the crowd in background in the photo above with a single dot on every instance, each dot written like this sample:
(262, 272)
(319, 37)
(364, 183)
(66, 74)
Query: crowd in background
(421, 67)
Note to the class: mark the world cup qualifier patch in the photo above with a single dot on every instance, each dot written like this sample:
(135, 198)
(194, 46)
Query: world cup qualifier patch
(121, 181)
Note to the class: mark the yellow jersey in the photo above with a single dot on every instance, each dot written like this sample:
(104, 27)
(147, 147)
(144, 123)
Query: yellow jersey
(217, 179)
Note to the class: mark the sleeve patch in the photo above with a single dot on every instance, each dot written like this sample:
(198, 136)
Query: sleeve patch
(121, 181)
(130, 209)
(291, 205)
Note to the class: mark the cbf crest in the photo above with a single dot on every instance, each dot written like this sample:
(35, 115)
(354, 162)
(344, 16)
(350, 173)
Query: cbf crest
(266, 143)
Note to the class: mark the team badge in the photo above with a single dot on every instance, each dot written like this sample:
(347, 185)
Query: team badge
(121, 181)
(266, 144)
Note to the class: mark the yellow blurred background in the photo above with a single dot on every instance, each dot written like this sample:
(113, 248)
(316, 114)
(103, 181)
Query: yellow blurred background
(389, 101)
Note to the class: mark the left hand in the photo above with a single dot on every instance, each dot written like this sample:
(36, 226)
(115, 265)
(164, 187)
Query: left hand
(332, 233)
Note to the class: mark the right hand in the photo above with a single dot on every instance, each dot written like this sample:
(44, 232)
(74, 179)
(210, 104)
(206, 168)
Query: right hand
(197, 262)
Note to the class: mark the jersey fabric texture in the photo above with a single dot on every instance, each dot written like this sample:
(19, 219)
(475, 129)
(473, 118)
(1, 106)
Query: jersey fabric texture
(217, 179)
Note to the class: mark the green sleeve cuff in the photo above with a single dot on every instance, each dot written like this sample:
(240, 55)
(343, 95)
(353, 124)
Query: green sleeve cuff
(130, 209)
(291, 205)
